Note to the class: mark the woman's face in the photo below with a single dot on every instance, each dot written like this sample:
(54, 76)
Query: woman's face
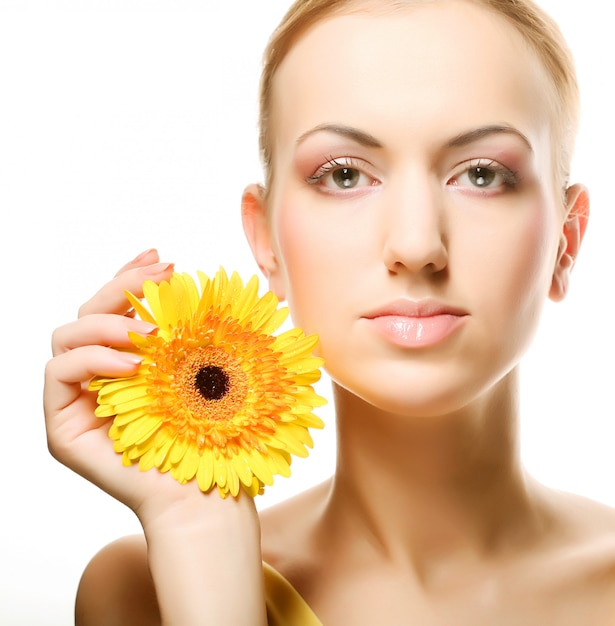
(414, 224)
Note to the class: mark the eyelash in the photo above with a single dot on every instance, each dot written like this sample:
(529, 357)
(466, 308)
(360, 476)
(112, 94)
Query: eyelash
(510, 178)
(333, 165)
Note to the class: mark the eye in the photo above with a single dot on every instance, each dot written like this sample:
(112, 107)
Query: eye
(346, 177)
(481, 176)
(341, 175)
(484, 174)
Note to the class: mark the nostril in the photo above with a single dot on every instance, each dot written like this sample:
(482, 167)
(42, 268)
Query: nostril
(420, 258)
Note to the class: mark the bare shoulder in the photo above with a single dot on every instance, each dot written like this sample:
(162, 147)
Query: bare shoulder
(590, 522)
(584, 560)
(116, 587)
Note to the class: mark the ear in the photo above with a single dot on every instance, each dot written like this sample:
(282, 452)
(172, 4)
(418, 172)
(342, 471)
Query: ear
(573, 230)
(258, 233)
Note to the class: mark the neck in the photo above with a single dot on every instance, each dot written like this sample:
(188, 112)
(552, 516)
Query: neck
(430, 487)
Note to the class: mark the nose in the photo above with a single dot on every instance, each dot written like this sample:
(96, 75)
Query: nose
(414, 237)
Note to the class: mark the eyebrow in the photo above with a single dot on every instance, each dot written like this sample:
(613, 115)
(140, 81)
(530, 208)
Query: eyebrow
(359, 136)
(476, 134)
(463, 139)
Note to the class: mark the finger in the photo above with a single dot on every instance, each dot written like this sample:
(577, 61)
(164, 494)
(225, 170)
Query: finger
(66, 373)
(147, 257)
(111, 297)
(98, 329)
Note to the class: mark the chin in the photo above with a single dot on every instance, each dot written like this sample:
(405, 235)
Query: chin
(405, 400)
(423, 391)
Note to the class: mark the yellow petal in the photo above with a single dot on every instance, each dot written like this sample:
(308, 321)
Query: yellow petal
(110, 386)
(138, 430)
(186, 469)
(119, 395)
(293, 438)
(134, 403)
(279, 461)
(151, 293)
(128, 416)
(220, 471)
(104, 410)
(140, 310)
(163, 443)
(260, 468)
(263, 310)
(205, 471)
(232, 479)
(245, 300)
(242, 468)
(178, 451)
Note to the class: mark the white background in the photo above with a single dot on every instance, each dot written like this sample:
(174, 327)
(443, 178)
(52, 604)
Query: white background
(130, 124)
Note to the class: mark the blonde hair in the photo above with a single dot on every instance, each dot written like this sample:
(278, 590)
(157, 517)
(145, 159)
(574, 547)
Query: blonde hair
(537, 28)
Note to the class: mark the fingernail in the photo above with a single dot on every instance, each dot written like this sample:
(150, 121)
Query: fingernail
(159, 268)
(145, 328)
(130, 358)
(143, 254)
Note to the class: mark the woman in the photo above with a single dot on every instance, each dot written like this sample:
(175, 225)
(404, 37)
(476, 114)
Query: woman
(417, 214)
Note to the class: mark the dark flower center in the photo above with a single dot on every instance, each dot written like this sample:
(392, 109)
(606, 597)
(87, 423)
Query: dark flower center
(212, 382)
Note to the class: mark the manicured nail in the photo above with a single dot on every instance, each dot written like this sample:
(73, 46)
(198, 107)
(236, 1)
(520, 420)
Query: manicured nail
(130, 359)
(143, 254)
(159, 268)
(145, 328)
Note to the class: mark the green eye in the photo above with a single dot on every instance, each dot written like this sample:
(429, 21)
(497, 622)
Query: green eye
(484, 175)
(481, 176)
(346, 177)
(343, 175)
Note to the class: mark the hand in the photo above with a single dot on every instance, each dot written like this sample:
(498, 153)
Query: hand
(86, 348)
(77, 438)
(195, 542)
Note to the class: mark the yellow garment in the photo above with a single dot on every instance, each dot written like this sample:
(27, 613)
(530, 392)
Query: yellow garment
(285, 607)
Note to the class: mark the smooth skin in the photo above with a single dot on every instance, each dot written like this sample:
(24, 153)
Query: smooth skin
(394, 182)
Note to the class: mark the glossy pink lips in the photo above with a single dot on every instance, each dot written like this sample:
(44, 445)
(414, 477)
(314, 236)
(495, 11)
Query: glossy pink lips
(412, 324)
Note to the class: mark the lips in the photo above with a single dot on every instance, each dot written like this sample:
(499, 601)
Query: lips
(416, 324)
(415, 308)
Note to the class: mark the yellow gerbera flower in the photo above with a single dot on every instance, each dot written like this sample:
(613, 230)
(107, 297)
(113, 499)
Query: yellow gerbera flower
(217, 396)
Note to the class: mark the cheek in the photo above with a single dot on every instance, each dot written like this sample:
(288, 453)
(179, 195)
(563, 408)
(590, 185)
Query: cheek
(521, 275)
(514, 247)
(306, 252)
(535, 253)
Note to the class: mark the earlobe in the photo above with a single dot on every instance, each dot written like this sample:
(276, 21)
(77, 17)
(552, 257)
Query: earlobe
(573, 231)
(258, 233)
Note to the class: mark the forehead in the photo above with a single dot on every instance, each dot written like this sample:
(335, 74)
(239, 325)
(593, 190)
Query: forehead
(450, 62)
